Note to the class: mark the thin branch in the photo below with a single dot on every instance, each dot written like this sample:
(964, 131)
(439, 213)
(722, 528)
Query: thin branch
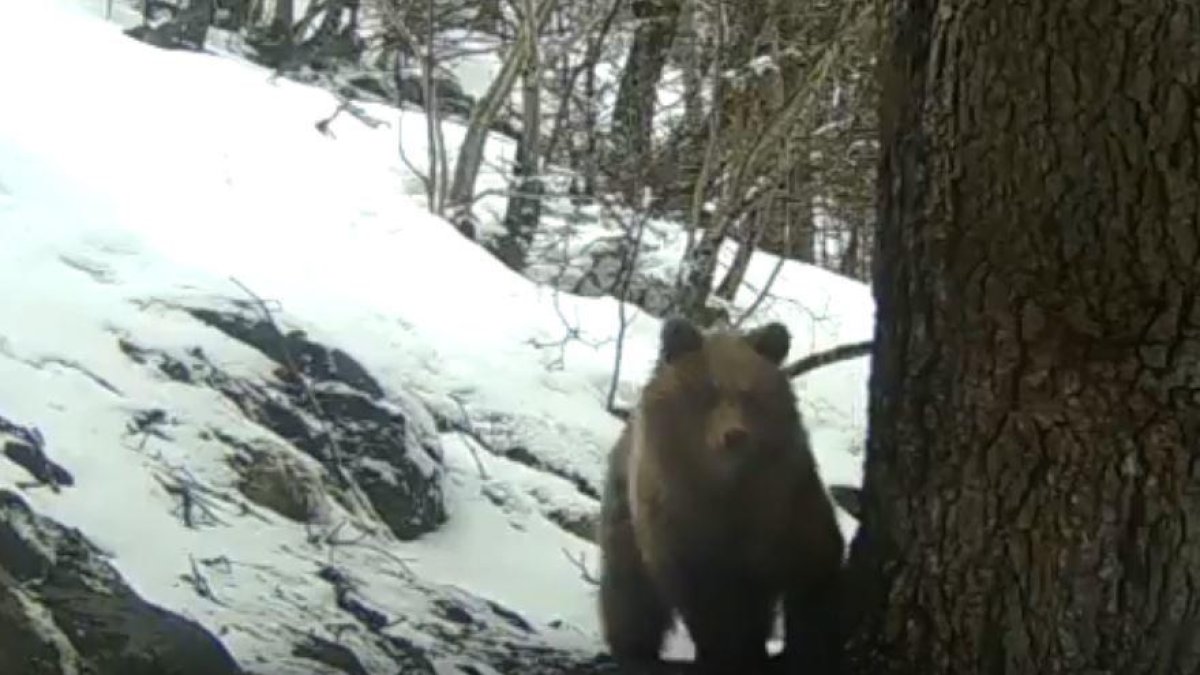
(194, 504)
(827, 357)
(346, 105)
(581, 565)
(468, 429)
(783, 256)
(200, 584)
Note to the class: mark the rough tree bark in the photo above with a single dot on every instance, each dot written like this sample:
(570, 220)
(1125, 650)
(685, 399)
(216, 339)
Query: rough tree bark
(633, 112)
(1032, 479)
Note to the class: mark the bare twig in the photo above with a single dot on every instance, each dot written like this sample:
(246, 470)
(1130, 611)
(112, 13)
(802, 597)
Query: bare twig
(581, 565)
(346, 105)
(194, 505)
(360, 542)
(198, 582)
(426, 180)
(573, 334)
(468, 429)
(762, 294)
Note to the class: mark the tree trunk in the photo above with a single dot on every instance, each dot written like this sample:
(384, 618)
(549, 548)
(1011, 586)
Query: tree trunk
(1032, 478)
(524, 209)
(488, 16)
(633, 112)
(470, 152)
(284, 16)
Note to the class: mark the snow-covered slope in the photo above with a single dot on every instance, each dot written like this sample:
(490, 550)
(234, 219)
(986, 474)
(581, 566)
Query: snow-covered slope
(140, 188)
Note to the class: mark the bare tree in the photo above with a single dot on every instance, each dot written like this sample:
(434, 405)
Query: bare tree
(470, 154)
(746, 159)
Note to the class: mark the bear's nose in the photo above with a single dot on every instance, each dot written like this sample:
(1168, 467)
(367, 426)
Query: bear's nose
(735, 439)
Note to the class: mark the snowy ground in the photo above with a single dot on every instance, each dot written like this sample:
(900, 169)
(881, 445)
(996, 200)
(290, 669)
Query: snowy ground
(134, 179)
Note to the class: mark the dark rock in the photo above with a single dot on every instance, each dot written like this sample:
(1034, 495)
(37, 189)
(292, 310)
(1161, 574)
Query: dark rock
(411, 659)
(346, 596)
(28, 452)
(453, 612)
(406, 495)
(522, 455)
(171, 367)
(582, 525)
(512, 618)
(29, 436)
(451, 98)
(186, 29)
(293, 350)
(329, 653)
(359, 435)
(37, 464)
(108, 625)
(144, 420)
(27, 645)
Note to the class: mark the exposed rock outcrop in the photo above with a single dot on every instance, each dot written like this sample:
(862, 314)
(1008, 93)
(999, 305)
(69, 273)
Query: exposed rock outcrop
(64, 609)
(325, 404)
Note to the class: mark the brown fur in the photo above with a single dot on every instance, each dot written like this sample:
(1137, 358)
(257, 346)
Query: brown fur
(713, 508)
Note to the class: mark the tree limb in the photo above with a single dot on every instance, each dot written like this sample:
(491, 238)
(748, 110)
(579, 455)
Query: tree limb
(827, 357)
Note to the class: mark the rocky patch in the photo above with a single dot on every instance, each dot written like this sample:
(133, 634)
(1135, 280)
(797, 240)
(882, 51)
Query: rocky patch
(275, 479)
(325, 404)
(26, 448)
(65, 609)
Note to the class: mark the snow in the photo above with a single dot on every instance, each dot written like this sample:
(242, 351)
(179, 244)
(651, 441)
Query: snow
(134, 180)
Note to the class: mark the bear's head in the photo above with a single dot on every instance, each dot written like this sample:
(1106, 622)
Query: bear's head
(721, 398)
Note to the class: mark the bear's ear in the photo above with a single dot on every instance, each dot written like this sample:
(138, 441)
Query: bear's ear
(677, 337)
(772, 341)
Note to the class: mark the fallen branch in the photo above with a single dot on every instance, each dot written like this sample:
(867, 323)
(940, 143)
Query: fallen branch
(827, 357)
(346, 105)
(196, 506)
(200, 584)
(467, 428)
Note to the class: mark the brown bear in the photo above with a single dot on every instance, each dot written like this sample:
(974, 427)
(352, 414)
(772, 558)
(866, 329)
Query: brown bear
(713, 508)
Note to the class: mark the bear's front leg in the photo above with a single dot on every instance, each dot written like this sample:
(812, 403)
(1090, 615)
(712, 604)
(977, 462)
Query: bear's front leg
(729, 622)
(633, 615)
(813, 639)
